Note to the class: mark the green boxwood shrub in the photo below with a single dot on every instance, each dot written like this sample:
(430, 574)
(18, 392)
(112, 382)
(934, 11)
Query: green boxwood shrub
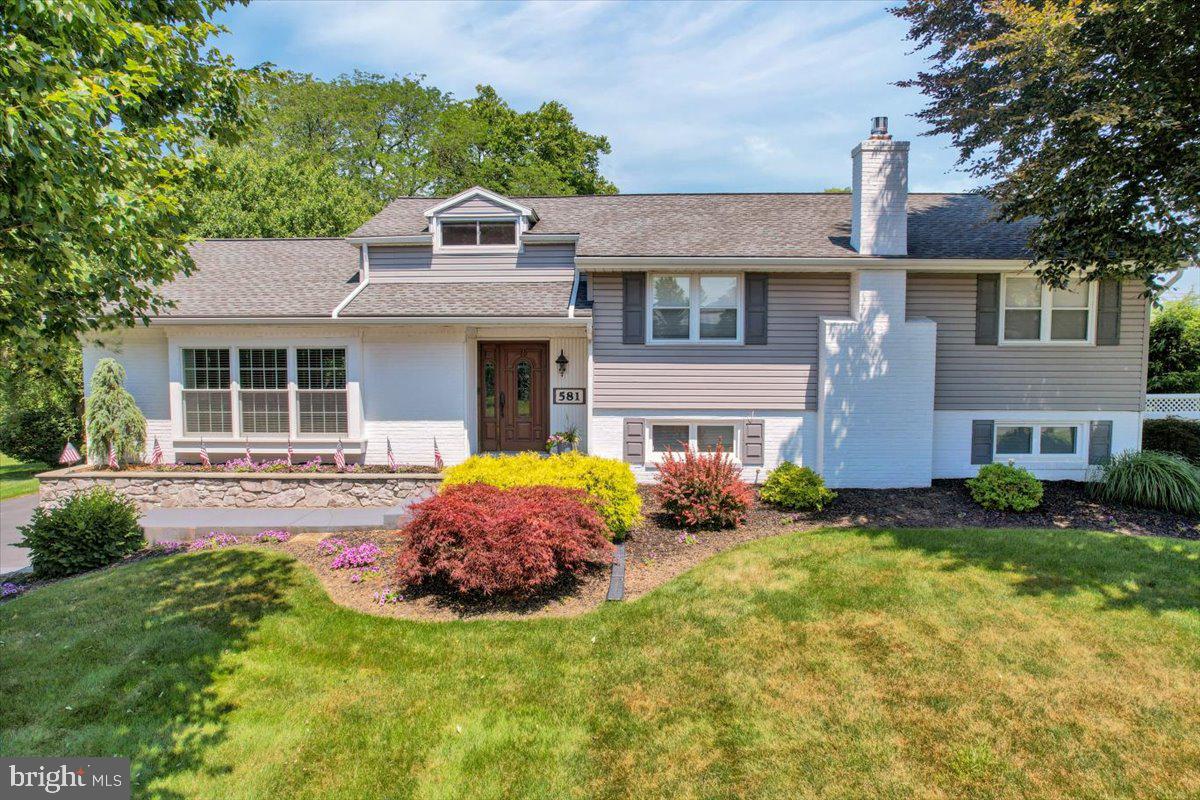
(1149, 479)
(1173, 435)
(90, 530)
(610, 484)
(796, 488)
(1004, 487)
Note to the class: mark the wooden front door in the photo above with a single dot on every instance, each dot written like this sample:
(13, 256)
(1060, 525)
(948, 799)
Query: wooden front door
(514, 395)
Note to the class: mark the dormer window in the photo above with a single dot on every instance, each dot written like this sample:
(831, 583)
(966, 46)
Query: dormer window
(478, 234)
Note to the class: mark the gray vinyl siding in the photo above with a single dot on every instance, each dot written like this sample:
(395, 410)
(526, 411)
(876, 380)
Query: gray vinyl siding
(1027, 377)
(477, 208)
(401, 261)
(781, 374)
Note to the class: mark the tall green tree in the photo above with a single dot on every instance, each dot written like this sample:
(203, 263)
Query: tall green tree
(1083, 113)
(108, 106)
(329, 154)
(1174, 364)
(113, 417)
(260, 191)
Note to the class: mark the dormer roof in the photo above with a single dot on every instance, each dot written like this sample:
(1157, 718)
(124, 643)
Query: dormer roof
(464, 198)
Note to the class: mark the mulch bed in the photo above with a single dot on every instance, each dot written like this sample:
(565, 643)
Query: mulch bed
(569, 598)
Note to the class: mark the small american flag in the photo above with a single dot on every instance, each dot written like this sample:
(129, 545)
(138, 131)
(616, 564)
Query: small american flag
(290, 452)
(69, 455)
(248, 456)
(156, 455)
(339, 456)
(204, 454)
(391, 457)
(437, 455)
(112, 457)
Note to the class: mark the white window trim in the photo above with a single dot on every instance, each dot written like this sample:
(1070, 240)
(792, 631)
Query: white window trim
(1047, 310)
(479, 249)
(1036, 442)
(354, 415)
(654, 457)
(694, 310)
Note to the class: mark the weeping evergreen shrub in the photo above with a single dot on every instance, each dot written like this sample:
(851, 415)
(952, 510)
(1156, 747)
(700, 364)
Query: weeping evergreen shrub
(112, 416)
(1149, 479)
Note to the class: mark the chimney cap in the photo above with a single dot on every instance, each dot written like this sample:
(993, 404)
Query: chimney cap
(879, 128)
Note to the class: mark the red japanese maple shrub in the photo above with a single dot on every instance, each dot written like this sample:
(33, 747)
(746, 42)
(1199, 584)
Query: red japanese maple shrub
(479, 539)
(703, 490)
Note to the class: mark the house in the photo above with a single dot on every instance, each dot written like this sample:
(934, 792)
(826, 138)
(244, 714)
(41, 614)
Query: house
(883, 338)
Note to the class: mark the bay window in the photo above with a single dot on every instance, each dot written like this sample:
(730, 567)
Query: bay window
(279, 392)
(695, 308)
(1037, 313)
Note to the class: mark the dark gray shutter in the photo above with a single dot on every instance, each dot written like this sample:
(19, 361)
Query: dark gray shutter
(633, 308)
(752, 443)
(1108, 313)
(982, 431)
(987, 309)
(635, 441)
(1100, 442)
(756, 307)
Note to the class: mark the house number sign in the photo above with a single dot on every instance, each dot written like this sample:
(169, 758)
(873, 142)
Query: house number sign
(568, 397)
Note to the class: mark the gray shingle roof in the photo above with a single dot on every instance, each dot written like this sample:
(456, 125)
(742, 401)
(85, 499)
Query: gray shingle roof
(265, 278)
(476, 299)
(751, 225)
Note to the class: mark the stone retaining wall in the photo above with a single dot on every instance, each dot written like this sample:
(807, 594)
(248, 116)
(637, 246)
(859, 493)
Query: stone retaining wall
(242, 490)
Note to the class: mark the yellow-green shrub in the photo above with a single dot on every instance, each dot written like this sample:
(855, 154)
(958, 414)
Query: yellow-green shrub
(609, 483)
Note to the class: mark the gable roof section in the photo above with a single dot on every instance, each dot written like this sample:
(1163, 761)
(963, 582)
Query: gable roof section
(265, 278)
(478, 299)
(479, 192)
(740, 225)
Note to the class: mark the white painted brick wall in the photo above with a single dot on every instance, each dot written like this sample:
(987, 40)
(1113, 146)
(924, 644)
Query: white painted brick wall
(414, 389)
(875, 376)
(952, 441)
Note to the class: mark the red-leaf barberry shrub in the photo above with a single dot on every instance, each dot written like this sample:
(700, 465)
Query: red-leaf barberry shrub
(703, 490)
(479, 539)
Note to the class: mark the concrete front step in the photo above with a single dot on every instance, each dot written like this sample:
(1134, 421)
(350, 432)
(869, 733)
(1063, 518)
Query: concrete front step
(189, 523)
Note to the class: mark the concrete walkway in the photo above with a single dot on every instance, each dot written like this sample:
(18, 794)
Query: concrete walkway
(189, 523)
(13, 514)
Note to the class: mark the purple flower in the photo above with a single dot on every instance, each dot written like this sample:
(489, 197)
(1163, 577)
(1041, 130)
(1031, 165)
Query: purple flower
(385, 596)
(169, 546)
(330, 546)
(214, 540)
(11, 589)
(272, 536)
(363, 555)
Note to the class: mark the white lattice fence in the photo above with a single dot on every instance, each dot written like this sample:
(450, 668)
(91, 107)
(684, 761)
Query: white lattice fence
(1173, 405)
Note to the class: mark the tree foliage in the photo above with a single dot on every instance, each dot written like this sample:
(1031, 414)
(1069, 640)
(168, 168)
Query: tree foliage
(41, 404)
(1083, 113)
(108, 106)
(113, 418)
(1175, 347)
(330, 154)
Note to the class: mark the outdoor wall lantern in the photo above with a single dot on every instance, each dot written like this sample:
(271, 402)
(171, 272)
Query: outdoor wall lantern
(562, 362)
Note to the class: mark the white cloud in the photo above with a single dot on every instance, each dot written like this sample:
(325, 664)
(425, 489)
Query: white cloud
(693, 96)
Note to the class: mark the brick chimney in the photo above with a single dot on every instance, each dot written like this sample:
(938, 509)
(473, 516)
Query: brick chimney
(879, 220)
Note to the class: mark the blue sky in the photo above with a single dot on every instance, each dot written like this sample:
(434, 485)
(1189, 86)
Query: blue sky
(731, 96)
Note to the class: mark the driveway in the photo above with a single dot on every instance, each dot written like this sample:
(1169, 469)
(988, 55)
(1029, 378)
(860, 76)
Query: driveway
(13, 514)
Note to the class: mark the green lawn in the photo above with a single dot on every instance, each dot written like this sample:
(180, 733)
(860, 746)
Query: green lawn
(16, 477)
(842, 663)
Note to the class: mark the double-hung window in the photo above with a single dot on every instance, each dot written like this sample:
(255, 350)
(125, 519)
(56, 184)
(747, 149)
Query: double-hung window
(321, 389)
(701, 437)
(1054, 440)
(207, 404)
(263, 390)
(1037, 313)
(695, 308)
